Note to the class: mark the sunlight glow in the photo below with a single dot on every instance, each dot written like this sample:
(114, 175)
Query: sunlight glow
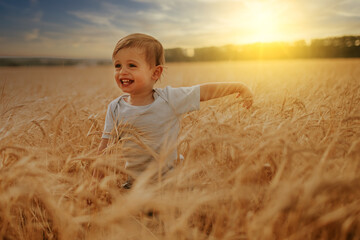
(263, 22)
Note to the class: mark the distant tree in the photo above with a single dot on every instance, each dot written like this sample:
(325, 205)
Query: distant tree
(176, 55)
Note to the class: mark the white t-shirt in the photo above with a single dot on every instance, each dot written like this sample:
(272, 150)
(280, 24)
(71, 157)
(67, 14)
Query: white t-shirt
(146, 131)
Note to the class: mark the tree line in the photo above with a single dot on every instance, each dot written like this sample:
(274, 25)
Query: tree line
(335, 47)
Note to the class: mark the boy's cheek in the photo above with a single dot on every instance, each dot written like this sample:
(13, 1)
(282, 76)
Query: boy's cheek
(117, 80)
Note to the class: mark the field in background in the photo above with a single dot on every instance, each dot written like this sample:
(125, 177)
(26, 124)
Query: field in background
(286, 169)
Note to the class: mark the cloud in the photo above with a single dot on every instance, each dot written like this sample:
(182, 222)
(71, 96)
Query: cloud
(33, 35)
(92, 17)
(179, 24)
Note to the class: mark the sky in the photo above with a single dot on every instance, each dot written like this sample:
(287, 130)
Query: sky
(91, 28)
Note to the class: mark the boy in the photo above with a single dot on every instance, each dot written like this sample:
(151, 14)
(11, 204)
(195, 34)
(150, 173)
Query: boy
(145, 119)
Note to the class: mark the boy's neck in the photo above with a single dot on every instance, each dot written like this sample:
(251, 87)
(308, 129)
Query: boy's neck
(141, 99)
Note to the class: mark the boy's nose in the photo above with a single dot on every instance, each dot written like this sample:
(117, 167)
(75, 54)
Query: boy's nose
(122, 72)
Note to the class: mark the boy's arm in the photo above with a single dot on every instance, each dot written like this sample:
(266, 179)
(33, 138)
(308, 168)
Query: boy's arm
(215, 90)
(103, 144)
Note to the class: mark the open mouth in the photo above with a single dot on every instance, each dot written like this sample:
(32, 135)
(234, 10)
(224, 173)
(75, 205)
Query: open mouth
(126, 82)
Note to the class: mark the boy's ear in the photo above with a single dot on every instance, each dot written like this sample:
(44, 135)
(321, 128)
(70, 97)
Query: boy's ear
(157, 72)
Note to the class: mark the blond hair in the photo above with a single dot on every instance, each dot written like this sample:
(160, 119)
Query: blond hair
(154, 52)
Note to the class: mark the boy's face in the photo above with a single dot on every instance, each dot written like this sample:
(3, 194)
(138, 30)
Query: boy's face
(133, 74)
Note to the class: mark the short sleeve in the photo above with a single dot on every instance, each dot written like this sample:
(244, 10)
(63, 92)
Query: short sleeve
(183, 99)
(109, 122)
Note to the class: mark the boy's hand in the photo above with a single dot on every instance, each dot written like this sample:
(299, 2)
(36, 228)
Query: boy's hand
(103, 144)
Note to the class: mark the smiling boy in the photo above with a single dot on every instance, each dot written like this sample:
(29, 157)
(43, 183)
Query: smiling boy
(147, 119)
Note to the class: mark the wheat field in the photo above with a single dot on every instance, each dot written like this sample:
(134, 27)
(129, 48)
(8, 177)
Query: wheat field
(288, 168)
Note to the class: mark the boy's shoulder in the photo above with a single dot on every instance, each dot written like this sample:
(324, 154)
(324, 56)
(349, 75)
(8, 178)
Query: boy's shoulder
(170, 91)
(181, 99)
(166, 92)
(114, 102)
(163, 91)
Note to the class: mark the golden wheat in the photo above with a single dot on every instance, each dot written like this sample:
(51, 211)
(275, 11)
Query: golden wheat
(286, 169)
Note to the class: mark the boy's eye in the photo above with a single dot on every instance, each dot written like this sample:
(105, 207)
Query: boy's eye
(132, 65)
(117, 66)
